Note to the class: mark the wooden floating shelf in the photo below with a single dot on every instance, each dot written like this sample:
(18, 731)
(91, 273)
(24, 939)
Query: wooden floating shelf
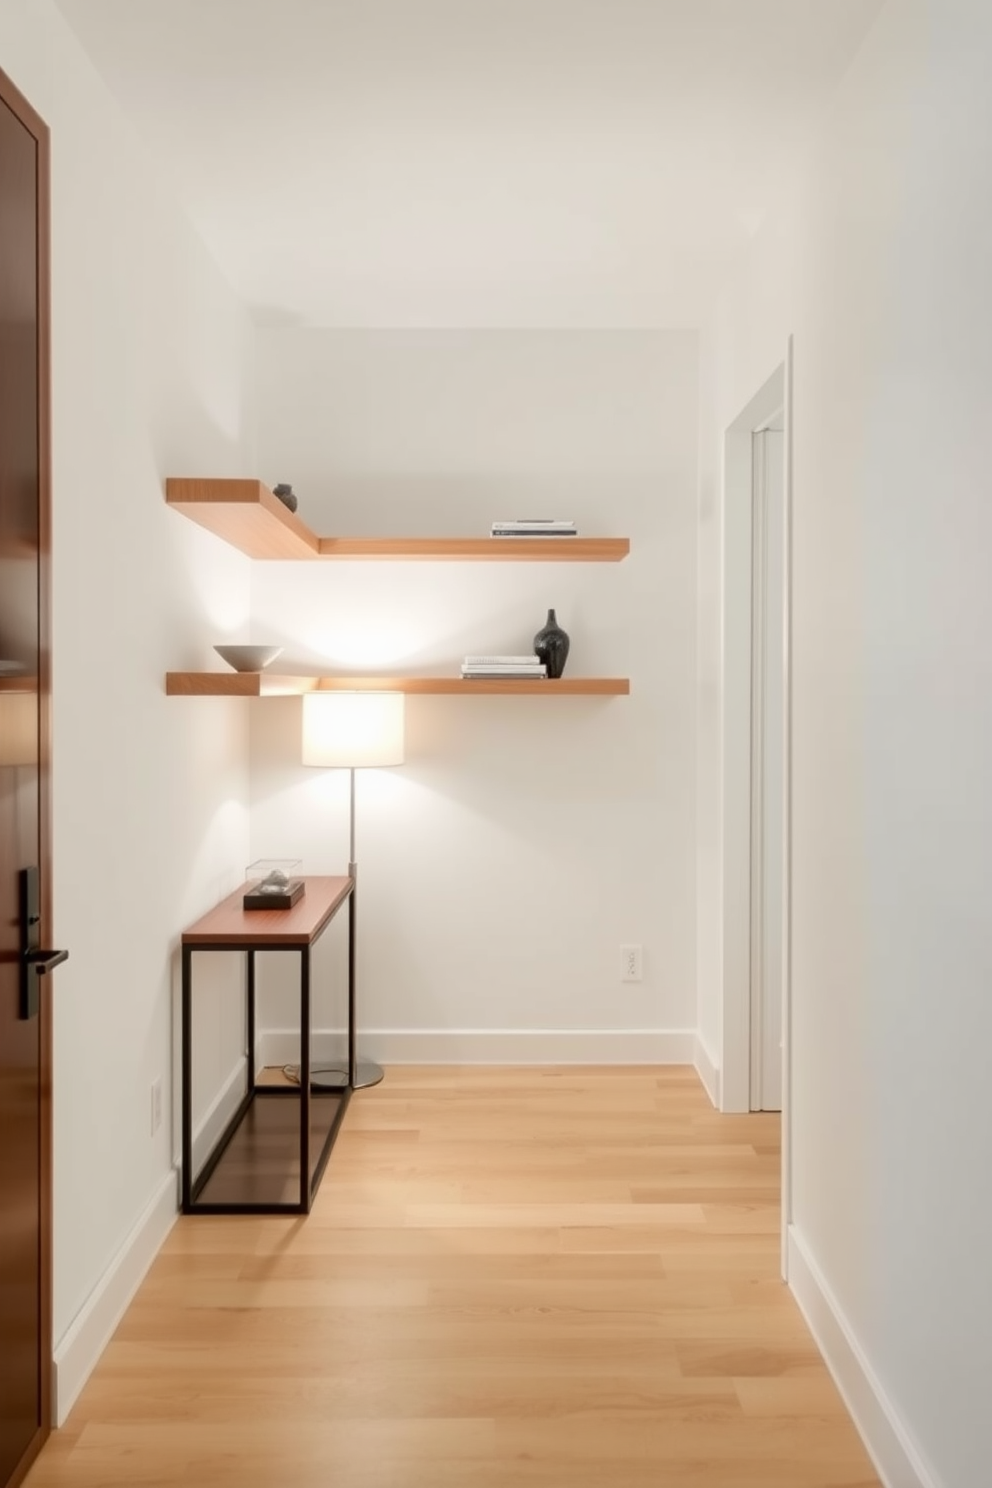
(246, 514)
(478, 549)
(258, 684)
(236, 684)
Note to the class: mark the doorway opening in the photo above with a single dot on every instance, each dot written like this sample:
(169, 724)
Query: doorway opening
(757, 601)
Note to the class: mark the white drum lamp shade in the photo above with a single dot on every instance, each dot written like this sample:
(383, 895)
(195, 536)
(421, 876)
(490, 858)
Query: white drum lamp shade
(352, 730)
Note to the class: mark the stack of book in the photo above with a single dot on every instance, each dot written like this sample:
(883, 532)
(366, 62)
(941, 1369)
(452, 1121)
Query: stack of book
(534, 527)
(503, 666)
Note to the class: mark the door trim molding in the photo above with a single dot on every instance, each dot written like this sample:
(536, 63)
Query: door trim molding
(786, 1127)
(14, 100)
(759, 579)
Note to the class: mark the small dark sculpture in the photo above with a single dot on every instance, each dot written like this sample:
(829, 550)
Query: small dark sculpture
(286, 496)
(551, 645)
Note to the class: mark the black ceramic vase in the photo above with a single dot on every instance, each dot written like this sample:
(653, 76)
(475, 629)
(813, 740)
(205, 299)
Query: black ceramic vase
(286, 495)
(551, 646)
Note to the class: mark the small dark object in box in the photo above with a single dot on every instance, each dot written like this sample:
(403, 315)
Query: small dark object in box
(275, 896)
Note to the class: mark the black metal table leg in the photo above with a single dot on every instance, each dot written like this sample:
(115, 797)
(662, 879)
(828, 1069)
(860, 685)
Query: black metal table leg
(305, 1015)
(187, 1072)
(250, 1051)
(352, 1031)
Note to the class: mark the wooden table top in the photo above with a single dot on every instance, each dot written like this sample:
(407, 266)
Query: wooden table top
(229, 923)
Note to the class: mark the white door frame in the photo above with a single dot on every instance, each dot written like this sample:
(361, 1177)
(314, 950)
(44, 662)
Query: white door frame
(765, 517)
(735, 1053)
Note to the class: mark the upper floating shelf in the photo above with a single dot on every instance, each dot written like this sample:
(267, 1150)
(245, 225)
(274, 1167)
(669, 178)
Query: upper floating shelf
(261, 684)
(246, 514)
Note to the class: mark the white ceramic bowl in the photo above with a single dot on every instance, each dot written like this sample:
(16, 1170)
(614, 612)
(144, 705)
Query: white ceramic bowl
(248, 658)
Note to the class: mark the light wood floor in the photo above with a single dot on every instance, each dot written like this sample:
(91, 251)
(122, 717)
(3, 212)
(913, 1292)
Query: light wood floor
(560, 1277)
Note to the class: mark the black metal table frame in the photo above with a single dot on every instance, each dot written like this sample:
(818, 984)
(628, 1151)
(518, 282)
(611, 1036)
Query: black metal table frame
(192, 1188)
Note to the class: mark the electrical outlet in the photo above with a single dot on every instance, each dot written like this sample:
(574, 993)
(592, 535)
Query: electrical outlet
(156, 1104)
(630, 963)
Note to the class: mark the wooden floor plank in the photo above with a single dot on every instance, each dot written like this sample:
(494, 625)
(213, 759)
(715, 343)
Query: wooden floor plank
(564, 1278)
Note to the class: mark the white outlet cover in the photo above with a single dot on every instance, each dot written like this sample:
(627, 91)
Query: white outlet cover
(631, 964)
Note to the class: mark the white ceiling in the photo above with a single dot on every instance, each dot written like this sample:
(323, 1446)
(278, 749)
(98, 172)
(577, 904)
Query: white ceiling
(373, 163)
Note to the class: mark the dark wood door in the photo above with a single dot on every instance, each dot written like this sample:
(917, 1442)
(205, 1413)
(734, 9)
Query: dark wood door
(25, 1041)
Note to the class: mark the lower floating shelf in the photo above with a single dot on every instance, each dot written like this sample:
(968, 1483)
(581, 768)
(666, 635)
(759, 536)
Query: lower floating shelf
(260, 684)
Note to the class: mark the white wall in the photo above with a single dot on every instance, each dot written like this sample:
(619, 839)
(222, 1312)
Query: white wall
(150, 353)
(882, 273)
(524, 840)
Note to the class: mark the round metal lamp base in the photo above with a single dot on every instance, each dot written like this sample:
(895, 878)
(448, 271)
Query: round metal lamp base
(335, 1076)
(368, 1073)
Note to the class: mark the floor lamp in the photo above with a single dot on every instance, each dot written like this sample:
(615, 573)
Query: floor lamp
(352, 731)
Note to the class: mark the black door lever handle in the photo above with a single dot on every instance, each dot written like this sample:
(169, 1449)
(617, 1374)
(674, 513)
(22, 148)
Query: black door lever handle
(40, 963)
(43, 961)
(35, 962)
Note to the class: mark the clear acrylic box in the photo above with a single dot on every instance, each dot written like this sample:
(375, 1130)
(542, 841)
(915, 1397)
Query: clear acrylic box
(274, 883)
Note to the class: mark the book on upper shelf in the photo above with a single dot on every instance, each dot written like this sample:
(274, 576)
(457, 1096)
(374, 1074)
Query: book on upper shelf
(542, 522)
(528, 660)
(506, 670)
(534, 527)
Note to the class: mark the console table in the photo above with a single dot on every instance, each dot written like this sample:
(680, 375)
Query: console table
(281, 1135)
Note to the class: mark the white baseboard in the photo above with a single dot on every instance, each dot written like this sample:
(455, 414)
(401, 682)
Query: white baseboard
(278, 1046)
(493, 1046)
(708, 1071)
(897, 1461)
(90, 1331)
(212, 1125)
